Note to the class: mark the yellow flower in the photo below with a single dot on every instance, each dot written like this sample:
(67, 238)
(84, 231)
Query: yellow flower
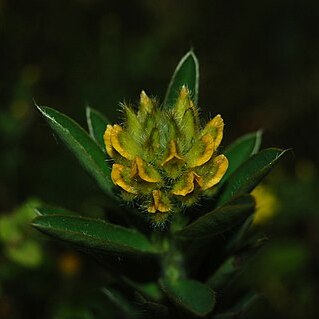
(163, 159)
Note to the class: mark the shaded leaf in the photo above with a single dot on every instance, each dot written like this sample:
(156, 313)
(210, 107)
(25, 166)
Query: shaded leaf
(186, 73)
(250, 174)
(138, 267)
(246, 302)
(94, 235)
(223, 274)
(149, 290)
(190, 295)
(120, 302)
(239, 151)
(52, 210)
(241, 308)
(97, 123)
(82, 145)
(150, 309)
(239, 237)
(220, 219)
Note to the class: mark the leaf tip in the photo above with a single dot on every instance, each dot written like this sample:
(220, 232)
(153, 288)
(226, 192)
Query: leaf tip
(260, 133)
(88, 110)
(191, 53)
(35, 224)
(43, 109)
(40, 108)
(37, 211)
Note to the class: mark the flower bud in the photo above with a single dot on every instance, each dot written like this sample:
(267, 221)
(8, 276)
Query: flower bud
(163, 159)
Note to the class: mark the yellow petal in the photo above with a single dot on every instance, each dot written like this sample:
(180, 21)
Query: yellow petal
(147, 172)
(221, 163)
(107, 140)
(158, 204)
(186, 186)
(215, 127)
(172, 153)
(117, 178)
(207, 153)
(116, 143)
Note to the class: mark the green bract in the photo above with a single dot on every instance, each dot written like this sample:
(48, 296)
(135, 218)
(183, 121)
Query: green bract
(162, 157)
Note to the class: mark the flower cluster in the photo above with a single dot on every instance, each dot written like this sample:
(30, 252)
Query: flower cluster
(163, 159)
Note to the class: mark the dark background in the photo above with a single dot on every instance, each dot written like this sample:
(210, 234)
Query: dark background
(259, 68)
(258, 62)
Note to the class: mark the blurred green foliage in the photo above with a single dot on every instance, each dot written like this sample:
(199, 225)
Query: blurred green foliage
(286, 269)
(15, 237)
(259, 68)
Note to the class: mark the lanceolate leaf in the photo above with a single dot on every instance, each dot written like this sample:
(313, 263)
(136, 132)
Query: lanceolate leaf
(219, 220)
(190, 295)
(97, 123)
(186, 73)
(239, 151)
(151, 309)
(52, 210)
(149, 290)
(240, 237)
(94, 235)
(242, 307)
(249, 174)
(82, 145)
(224, 274)
(120, 302)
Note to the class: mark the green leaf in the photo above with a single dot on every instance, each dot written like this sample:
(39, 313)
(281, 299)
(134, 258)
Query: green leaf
(240, 237)
(250, 174)
(186, 73)
(94, 235)
(246, 302)
(52, 210)
(82, 145)
(149, 290)
(220, 219)
(97, 123)
(120, 302)
(190, 295)
(229, 273)
(239, 151)
(151, 309)
(241, 308)
(223, 274)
